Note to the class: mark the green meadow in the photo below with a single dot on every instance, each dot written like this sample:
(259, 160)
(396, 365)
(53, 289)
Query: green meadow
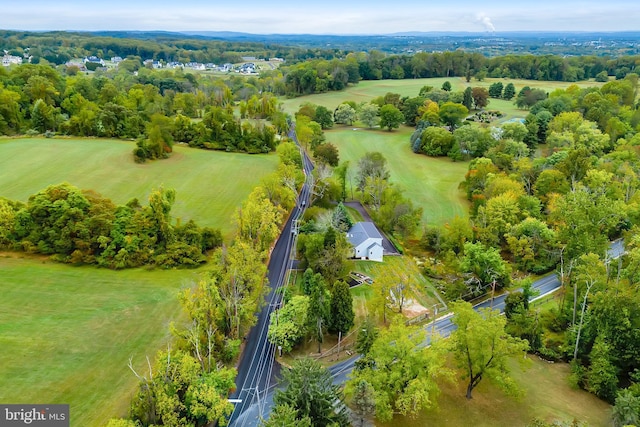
(67, 333)
(430, 183)
(365, 91)
(210, 185)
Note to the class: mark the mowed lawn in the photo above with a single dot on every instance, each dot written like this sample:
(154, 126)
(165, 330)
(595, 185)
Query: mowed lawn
(67, 333)
(210, 185)
(547, 396)
(430, 183)
(365, 91)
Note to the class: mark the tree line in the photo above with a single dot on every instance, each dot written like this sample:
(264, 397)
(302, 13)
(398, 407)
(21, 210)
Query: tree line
(558, 209)
(155, 109)
(189, 382)
(57, 47)
(320, 75)
(82, 227)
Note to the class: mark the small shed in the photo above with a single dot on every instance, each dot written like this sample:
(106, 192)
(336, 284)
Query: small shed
(366, 241)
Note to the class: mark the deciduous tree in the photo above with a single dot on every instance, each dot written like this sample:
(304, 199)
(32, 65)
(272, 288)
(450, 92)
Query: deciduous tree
(390, 117)
(369, 114)
(403, 375)
(482, 348)
(452, 114)
(285, 327)
(480, 97)
(345, 114)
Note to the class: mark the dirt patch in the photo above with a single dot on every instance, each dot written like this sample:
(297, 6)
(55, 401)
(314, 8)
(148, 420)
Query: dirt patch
(413, 309)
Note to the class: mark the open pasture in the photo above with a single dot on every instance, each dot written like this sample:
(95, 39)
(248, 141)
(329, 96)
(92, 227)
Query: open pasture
(210, 185)
(365, 91)
(430, 183)
(67, 333)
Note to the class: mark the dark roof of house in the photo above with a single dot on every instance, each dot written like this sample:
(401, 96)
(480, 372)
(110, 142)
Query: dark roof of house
(362, 231)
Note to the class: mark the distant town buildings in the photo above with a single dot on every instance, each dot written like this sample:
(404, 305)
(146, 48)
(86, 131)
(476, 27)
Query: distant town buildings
(92, 62)
(153, 64)
(11, 60)
(248, 68)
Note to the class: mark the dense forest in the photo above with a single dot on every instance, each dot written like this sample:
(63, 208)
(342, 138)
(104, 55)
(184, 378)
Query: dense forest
(547, 194)
(82, 227)
(156, 108)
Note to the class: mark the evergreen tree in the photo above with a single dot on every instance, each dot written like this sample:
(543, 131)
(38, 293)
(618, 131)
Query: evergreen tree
(364, 400)
(467, 98)
(509, 92)
(318, 310)
(341, 307)
(311, 392)
(495, 90)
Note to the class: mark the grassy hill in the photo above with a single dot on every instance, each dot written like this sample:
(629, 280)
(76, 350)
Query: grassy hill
(67, 333)
(210, 185)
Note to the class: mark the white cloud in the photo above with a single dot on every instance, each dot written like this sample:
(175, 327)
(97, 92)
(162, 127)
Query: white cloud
(352, 18)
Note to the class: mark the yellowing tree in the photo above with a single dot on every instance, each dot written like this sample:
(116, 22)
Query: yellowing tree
(402, 373)
(258, 220)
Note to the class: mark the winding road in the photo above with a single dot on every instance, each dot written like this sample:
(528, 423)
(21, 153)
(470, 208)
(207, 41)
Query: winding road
(257, 369)
(443, 326)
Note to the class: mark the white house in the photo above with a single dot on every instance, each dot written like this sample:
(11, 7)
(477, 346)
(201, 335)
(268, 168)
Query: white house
(366, 241)
(94, 59)
(8, 60)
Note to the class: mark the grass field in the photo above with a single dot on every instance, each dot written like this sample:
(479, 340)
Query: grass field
(365, 91)
(548, 396)
(67, 333)
(431, 183)
(210, 185)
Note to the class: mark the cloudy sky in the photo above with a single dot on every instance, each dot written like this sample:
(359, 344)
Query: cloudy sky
(321, 17)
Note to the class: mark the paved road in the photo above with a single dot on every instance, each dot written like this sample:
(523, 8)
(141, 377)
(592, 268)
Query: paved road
(257, 368)
(387, 246)
(442, 326)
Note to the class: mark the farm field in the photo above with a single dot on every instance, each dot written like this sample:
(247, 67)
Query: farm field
(430, 183)
(67, 333)
(210, 185)
(547, 396)
(365, 91)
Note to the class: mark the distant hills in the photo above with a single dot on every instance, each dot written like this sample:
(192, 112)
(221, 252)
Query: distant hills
(487, 43)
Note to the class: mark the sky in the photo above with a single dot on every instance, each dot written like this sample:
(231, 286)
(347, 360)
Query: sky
(321, 16)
